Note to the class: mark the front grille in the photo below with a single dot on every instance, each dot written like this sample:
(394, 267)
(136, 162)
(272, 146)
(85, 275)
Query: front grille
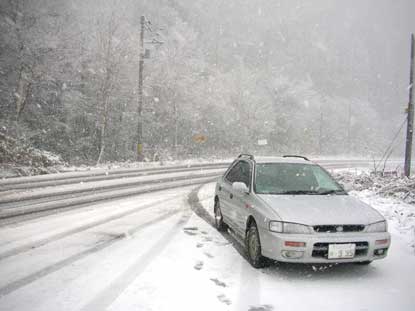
(321, 250)
(338, 228)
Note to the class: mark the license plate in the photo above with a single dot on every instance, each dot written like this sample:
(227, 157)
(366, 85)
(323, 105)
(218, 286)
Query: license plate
(341, 251)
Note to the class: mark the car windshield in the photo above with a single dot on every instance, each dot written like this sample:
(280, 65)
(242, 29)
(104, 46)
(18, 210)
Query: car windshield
(294, 178)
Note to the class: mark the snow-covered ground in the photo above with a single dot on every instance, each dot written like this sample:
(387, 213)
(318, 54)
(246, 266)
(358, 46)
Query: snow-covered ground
(400, 215)
(153, 253)
(390, 194)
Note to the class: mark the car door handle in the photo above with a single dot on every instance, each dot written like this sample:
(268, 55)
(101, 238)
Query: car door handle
(231, 196)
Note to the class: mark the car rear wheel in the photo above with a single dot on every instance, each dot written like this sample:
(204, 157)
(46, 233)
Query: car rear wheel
(219, 223)
(253, 247)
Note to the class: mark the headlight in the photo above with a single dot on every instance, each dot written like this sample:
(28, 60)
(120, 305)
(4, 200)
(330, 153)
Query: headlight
(288, 227)
(380, 226)
(275, 226)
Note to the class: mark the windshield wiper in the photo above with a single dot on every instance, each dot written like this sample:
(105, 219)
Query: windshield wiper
(310, 192)
(300, 192)
(332, 191)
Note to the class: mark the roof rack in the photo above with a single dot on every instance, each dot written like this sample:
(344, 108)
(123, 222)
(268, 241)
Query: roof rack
(295, 156)
(246, 155)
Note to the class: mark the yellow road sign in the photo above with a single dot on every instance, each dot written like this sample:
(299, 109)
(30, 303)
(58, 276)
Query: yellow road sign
(139, 148)
(199, 138)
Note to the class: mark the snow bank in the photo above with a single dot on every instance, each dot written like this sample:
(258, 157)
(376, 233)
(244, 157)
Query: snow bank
(146, 164)
(19, 159)
(386, 185)
(391, 195)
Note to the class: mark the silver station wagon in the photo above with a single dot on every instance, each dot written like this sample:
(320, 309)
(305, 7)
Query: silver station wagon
(290, 209)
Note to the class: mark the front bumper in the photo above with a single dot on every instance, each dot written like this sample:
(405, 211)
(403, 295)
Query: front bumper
(316, 246)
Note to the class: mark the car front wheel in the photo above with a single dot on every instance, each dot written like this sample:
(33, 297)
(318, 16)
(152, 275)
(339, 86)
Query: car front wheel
(253, 246)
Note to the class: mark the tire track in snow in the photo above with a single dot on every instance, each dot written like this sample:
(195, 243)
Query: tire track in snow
(200, 211)
(27, 182)
(9, 217)
(114, 290)
(11, 287)
(24, 198)
(29, 246)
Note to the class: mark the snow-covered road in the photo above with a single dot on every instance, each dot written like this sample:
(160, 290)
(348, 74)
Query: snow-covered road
(154, 252)
(80, 255)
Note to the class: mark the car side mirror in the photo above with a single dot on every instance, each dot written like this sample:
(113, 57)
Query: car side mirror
(240, 187)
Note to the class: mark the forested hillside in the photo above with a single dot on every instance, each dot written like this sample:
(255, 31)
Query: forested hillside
(275, 70)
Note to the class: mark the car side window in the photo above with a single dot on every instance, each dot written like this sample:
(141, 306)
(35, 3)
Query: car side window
(241, 172)
(245, 175)
(232, 175)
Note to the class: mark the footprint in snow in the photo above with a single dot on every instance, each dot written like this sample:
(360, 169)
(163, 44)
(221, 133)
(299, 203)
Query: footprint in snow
(222, 243)
(218, 282)
(190, 230)
(261, 308)
(190, 233)
(208, 255)
(222, 298)
(198, 265)
(199, 245)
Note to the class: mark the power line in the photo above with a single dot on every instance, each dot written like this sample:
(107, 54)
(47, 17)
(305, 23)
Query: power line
(390, 149)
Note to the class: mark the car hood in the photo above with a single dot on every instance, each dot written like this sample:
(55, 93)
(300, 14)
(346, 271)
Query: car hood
(321, 209)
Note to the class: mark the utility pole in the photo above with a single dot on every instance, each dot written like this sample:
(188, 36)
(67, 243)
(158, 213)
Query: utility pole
(410, 116)
(320, 134)
(321, 126)
(349, 128)
(176, 129)
(140, 156)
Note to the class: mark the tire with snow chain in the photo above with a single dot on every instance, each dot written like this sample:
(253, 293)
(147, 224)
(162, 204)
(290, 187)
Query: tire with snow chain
(253, 248)
(219, 223)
